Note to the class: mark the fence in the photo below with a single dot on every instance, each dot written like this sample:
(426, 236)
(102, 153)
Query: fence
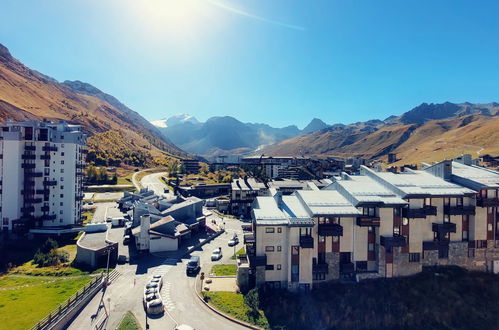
(60, 312)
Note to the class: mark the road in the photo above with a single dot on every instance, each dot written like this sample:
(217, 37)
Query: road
(182, 305)
(153, 182)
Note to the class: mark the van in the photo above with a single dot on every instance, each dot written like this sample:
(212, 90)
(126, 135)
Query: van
(193, 266)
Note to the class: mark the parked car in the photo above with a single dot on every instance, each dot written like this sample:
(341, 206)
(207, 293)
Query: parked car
(90, 203)
(234, 241)
(126, 239)
(152, 285)
(155, 307)
(157, 280)
(193, 266)
(122, 259)
(216, 254)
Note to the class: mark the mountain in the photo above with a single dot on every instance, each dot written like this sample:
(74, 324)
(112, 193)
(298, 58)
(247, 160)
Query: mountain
(175, 120)
(28, 94)
(315, 125)
(225, 135)
(428, 132)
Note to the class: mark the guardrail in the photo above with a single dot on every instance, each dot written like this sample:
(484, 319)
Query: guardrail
(58, 314)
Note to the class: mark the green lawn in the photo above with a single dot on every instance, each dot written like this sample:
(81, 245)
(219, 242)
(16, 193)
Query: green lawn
(129, 322)
(233, 303)
(239, 252)
(88, 214)
(224, 270)
(126, 178)
(24, 300)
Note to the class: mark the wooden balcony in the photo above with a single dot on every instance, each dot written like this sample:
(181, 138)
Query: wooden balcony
(368, 221)
(487, 202)
(306, 242)
(443, 228)
(322, 268)
(393, 241)
(330, 229)
(459, 210)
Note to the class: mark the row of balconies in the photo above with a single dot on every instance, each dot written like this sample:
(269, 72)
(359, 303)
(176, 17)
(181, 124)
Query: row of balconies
(487, 202)
(459, 210)
(422, 212)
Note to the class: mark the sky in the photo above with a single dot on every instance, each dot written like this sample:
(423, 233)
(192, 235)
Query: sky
(279, 62)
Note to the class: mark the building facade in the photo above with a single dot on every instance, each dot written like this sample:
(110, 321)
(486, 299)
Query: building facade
(377, 224)
(41, 175)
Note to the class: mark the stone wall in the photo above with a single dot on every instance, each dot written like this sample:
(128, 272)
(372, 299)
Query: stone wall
(243, 274)
(401, 264)
(333, 261)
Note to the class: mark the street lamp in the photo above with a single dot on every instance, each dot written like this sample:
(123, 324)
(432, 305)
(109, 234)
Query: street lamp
(109, 248)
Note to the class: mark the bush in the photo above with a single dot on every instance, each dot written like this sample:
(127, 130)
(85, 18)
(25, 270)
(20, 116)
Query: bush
(48, 255)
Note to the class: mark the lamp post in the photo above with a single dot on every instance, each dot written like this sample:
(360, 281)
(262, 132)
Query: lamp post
(108, 248)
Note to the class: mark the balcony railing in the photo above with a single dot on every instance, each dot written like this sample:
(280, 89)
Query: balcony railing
(459, 210)
(320, 268)
(393, 241)
(46, 209)
(414, 213)
(30, 148)
(306, 242)
(443, 228)
(25, 165)
(434, 245)
(79, 197)
(28, 156)
(26, 192)
(487, 202)
(48, 217)
(430, 209)
(80, 165)
(33, 174)
(42, 191)
(258, 260)
(49, 148)
(45, 157)
(33, 200)
(27, 209)
(368, 221)
(330, 229)
(347, 268)
(50, 182)
(29, 183)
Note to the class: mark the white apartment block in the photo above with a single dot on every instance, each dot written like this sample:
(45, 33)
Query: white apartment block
(377, 224)
(41, 175)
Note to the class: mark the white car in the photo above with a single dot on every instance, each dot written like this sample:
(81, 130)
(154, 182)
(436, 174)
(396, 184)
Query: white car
(216, 254)
(155, 306)
(234, 241)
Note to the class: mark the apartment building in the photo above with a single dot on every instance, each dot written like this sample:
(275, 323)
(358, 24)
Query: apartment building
(243, 193)
(273, 167)
(377, 224)
(41, 175)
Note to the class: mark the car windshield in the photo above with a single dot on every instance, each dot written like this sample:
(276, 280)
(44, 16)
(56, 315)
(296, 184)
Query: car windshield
(192, 263)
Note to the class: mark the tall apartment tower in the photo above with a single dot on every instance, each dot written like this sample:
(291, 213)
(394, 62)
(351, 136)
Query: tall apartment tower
(41, 175)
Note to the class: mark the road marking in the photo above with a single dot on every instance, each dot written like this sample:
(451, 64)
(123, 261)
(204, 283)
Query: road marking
(165, 294)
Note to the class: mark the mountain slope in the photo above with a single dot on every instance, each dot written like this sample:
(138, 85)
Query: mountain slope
(28, 94)
(427, 132)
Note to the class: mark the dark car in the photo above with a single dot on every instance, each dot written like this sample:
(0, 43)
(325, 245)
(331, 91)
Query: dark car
(193, 266)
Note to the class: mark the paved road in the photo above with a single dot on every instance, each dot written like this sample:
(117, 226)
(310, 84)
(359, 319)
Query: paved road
(153, 182)
(182, 305)
(106, 210)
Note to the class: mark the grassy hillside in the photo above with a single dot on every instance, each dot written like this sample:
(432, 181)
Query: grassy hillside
(440, 298)
(28, 94)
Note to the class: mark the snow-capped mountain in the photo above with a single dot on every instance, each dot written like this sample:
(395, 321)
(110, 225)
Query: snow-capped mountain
(174, 120)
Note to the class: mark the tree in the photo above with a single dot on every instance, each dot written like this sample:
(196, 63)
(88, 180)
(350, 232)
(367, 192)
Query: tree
(204, 168)
(252, 300)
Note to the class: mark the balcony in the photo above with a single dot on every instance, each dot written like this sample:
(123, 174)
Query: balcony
(414, 213)
(42, 191)
(27, 156)
(79, 197)
(459, 210)
(33, 200)
(248, 238)
(25, 165)
(45, 157)
(27, 209)
(368, 221)
(48, 217)
(33, 174)
(393, 241)
(330, 229)
(25, 192)
(80, 165)
(28, 183)
(256, 261)
(46, 209)
(49, 148)
(30, 148)
(434, 245)
(430, 210)
(487, 202)
(306, 242)
(443, 228)
(347, 268)
(322, 268)
(50, 182)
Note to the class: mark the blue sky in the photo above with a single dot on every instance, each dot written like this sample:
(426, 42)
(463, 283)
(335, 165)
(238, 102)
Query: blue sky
(279, 62)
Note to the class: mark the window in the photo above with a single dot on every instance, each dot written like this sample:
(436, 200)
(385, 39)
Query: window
(489, 227)
(62, 170)
(370, 247)
(465, 235)
(62, 153)
(62, 145)
(61, 203)
(397, 212)
(322, 239)
(361, 266)
(62, 187)
(278, 267)
(396, 230)
(269, 249)
(446, 201)
(269, 230)
(414, 257)
(318, 276)
(62, 162)
(369, 211)
(446, 218)
(370, 229)
(336, 239)
(279, 248)
(427, 201)
(295, 250)
(62, 178)
(61, 212)
(279, 230)
(459, 201)
(61, 195)
(405, 221)
(269, 267)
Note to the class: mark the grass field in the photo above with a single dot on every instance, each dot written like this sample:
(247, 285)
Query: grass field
(224, 270)
(125, 177)
(24, 300)
(233, 303)
(239, 252)
(129, 322)
(88, 214)
(439, 298)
